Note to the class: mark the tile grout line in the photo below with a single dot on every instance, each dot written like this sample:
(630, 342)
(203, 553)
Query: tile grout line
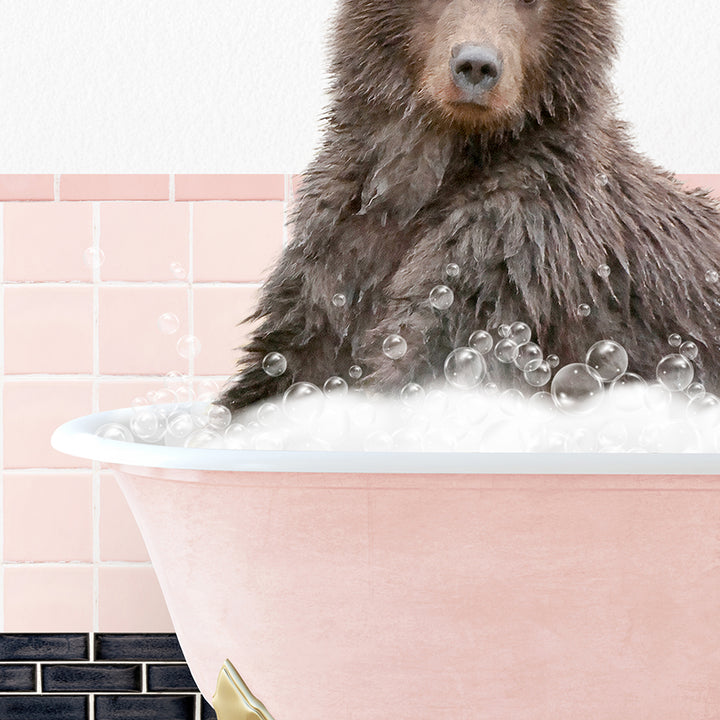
(171, 188)
(96, 229)
(56, 187)
(191, 286)
(2, 414)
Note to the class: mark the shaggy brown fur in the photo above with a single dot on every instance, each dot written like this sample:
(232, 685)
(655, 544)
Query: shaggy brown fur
(529, 193)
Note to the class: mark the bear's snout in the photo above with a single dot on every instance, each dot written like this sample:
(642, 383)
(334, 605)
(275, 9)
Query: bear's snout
(475, 69)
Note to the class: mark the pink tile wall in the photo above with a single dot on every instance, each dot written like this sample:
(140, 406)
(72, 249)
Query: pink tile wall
(89, 263)
(81, 336)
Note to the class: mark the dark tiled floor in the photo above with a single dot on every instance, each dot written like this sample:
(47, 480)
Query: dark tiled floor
(59, 676)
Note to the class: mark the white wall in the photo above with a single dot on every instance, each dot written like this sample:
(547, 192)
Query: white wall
(236, 85)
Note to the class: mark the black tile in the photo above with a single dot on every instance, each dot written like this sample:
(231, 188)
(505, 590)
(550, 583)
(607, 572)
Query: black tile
(17, 678)
(144, 707)
(206, 710)
(116, 646)
(91, 678)
(34, 646)
(170, 677)
(37, 707)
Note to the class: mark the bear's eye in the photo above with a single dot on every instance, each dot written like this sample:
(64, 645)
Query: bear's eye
(527, 2)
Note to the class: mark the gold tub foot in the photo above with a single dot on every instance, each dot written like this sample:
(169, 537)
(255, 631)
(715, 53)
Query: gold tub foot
(233, 700)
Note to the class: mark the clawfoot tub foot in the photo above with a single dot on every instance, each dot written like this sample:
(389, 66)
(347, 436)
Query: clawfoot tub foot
(233, 700)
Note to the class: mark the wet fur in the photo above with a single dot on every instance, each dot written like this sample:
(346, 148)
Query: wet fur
(400, 189)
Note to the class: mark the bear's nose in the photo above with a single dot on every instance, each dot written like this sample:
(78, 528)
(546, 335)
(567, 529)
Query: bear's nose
(475, 68)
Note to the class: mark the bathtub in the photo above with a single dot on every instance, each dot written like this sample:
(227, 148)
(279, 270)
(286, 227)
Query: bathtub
(370, 586)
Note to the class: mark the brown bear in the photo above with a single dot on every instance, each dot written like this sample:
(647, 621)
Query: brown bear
(482, 134)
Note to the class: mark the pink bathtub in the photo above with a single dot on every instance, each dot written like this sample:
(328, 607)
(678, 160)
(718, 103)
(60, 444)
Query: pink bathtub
(372, 586)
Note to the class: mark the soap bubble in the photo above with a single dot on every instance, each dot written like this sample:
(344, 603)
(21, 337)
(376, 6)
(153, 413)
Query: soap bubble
(675, 340)
(147, 425)
(512, 402)
(219, 417)
(482, 341)
(542, 402)
(675, 372)
(657, 397)
(178, 271)
(93, 257)
(506, 351)
(412, 394)
(274, 364)
(539, 375)
(339, 300)
(355, 372)
(268, 414)
(705, 406)
(441, 297)
(582, 440)
(712, 277)
(689, 349)
(268, 442)
(602, 180)
(302, 402)
(576, 388)
(504, 331)
(452, 270)
(529, 356)
(612, 435)
(608, 359)
(237, 437)
(628, 391)
(464, 368)
(184, 394)
(204, 438)
(394, 347)
(169, 323)
(520, 333)
(584, 310)
(553, 361)
(115, 431)
(603, 271)
(695, 390)
(188, 346)
(180, 425)
(335, 387)
(378, 441)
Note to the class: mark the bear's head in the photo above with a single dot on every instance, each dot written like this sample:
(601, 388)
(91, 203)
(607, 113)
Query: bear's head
(478, 65)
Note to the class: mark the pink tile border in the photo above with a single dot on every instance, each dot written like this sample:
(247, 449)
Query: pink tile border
(230, 187)
(27, 187)
(115, 187)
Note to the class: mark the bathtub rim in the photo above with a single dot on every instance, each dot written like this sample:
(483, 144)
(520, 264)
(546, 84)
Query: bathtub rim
(77, 438)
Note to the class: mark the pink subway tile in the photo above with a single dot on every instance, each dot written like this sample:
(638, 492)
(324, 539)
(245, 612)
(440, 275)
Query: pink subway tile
(27, 187)
(114, 187)
(48, 599)
(218, 312)
(141, 241)
(131, 341)
(32, 411)
(47, 241)
(236, 242)
(131, 601)
(48, 329)
(120, 538)
(48, 517)
(708, 182)
(229, 187)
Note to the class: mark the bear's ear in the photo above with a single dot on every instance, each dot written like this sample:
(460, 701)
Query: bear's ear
(408, 169)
